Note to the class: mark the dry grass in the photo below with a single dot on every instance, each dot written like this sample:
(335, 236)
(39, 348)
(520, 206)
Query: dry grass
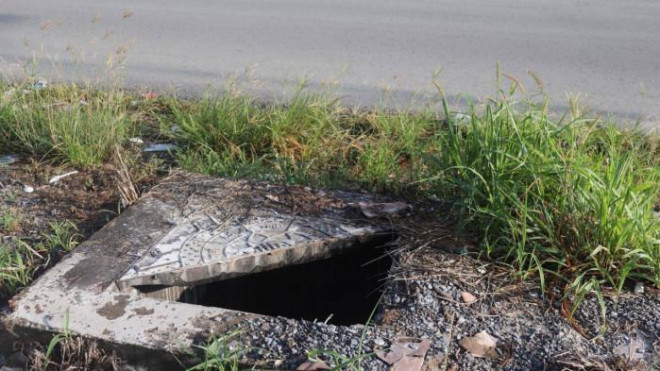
(73, 353)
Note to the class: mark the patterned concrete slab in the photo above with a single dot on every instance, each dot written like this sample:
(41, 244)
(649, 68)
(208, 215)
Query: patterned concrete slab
(231, 229)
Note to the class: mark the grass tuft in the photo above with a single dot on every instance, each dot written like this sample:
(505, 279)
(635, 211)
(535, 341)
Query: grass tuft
(64, 123)
(570, 199)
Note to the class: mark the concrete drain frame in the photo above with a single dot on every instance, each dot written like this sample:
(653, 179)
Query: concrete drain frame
(132, 284)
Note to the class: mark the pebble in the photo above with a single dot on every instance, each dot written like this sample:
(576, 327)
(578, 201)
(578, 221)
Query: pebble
(467, 297)
(136, 141)
(28, 189)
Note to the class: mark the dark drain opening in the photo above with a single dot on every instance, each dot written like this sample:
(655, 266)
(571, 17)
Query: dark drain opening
(346, 286)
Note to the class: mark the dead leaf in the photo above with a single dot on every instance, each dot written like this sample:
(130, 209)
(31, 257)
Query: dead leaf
(311, 366)
(480, 345)
(373, 210)
(432, 363)
(467, 297)
(422, 348)
(390, 357)
(273, 198)
(409, 364)
(406, 354)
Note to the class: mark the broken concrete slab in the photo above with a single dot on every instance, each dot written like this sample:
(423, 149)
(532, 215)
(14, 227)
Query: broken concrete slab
(207, 246)
(188, 230)
(225, 229)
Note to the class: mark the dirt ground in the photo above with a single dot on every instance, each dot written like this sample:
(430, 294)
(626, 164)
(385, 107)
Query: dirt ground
(89, 199)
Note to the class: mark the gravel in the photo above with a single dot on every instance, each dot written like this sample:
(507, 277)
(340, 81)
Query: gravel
(530, 331)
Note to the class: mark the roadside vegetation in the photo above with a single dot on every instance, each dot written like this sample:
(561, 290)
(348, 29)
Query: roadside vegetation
(21, 260)
(566, 200)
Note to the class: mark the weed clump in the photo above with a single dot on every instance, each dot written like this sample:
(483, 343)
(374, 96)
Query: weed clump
(67, 124)
(570, 200)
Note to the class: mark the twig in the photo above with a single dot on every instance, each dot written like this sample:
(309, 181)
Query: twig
(445, 361)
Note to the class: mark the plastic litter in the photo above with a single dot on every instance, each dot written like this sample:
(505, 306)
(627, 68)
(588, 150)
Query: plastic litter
(160, 147)
(8, 159)
(462, 118)
(57, 178)
(373, 210)
(136, 140)
(28, 189)
(41, 84)
(149, 96)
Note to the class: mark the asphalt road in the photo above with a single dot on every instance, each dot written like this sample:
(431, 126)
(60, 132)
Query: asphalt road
(607, 52)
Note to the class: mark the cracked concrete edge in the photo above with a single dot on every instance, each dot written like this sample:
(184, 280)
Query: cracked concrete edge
(78, 295)
(125, 320)
(110, 250)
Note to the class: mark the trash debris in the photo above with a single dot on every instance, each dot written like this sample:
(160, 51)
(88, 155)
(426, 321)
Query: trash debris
(160, 147)
(28, 189)
(175, 128)
(41, 84)
(468, 298)
(57, 178)
(313, 365)
(149, 96)
(137, 141)
(406, 354)
(144, 97)
(639, 288)
(461, 118)
(480, 345)
(373, 210)
(8, 159)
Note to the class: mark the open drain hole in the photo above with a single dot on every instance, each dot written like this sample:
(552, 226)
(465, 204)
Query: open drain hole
(346, 286)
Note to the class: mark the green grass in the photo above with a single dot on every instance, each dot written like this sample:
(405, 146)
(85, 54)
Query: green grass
(9, 220)
(20, 260)
(220, 354)
(66, 123)
(568, 200)
(312, 140)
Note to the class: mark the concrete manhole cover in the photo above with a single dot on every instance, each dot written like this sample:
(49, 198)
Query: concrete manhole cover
(214, 246)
